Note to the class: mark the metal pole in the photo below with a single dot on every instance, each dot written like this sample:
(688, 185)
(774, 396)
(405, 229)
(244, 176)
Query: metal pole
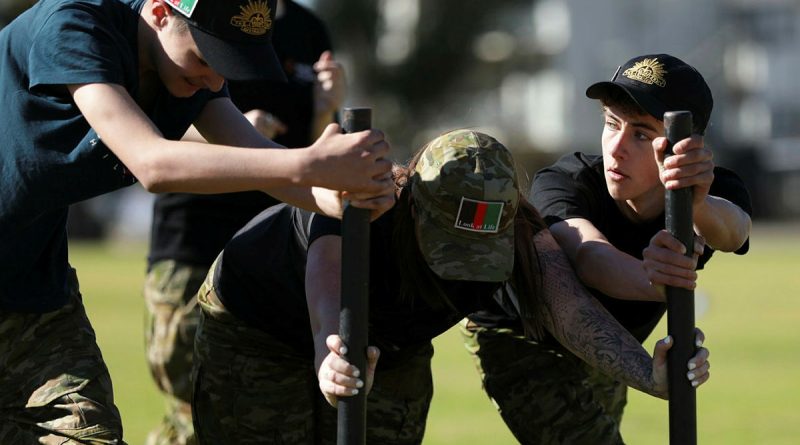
(352, 411)
(680, 301)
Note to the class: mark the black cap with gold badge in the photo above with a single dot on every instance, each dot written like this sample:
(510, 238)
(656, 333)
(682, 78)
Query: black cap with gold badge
(660, 83)
(234, 36)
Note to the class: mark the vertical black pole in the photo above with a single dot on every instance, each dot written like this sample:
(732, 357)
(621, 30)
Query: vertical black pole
(680, 301)
(352, 420)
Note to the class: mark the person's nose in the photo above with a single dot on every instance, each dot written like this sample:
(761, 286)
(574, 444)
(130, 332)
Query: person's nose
(617, 145)
(213, 81)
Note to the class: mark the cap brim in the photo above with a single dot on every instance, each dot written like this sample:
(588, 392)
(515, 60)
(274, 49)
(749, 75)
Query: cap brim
(652, 106)
(486, 257)
(238, 60)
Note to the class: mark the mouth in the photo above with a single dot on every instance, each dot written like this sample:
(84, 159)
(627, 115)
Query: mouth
(615, 174)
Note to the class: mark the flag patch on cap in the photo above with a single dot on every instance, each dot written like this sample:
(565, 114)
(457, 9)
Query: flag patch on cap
(185, 7)
(479, 216)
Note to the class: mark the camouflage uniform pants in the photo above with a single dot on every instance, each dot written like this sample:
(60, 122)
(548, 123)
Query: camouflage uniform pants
(253, 389)
(545, 396)
(54, 386)
(170, 326)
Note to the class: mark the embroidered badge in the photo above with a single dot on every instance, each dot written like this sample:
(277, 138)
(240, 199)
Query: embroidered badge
(185, 7)
(649, 71)
(479, 216)
(254, 18)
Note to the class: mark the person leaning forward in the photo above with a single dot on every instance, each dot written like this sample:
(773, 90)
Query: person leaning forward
(460, 237)
(607, 213)
(98, 92)
(189, 230)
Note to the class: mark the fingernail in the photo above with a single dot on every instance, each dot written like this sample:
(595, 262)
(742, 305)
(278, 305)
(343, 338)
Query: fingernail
(690, 376)
(360, 383)
(694, 383)
(699, 343)
(355, 391)
(692, 366)
(356, 373)
(668, 339)
(343, 350)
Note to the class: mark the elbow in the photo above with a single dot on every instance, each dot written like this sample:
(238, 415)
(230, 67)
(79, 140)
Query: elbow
(737, 236)
(743, 232)
(152, 175)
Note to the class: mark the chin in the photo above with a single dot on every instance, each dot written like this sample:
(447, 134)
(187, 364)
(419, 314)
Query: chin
(183, 91)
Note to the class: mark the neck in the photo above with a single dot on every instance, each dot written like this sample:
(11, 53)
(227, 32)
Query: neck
(145, 36)
(644, 208)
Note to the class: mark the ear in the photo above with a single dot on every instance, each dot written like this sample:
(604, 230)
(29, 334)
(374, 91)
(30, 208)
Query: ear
(159, 12)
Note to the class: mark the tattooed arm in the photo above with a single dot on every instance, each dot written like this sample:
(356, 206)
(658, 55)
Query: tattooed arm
(580, 323)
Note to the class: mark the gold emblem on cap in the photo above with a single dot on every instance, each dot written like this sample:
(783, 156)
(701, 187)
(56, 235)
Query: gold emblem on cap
(649, 71)
(254, 18)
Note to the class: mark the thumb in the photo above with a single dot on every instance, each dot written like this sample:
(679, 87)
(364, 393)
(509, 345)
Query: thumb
(373, 354)
(660, 366)
(335, 344)
(330, 130)
(660, 351)
(326, 56)
(659, 147)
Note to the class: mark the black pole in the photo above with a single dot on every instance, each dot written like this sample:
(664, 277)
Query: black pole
(680, 301)
(352, 421)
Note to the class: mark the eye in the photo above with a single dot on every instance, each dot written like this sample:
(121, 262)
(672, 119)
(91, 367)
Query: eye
(642, 136)
(611, 125)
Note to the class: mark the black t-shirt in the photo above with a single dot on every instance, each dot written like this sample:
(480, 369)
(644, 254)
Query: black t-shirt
(50, 157)
(260, 279)
(574, 187)
(194, 228)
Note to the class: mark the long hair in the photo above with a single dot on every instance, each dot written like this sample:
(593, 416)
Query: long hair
(526, 278)
(417, 278)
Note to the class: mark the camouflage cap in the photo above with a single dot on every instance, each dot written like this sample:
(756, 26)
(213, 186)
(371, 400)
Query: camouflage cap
(466, 194)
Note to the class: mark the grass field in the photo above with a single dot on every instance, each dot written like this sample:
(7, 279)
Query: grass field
(751, 317)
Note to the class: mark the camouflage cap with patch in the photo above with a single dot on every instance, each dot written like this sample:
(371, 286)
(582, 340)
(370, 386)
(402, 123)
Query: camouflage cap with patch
(466, 193)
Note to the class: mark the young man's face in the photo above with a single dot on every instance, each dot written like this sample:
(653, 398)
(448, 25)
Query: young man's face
(180, 64)
(631, 171)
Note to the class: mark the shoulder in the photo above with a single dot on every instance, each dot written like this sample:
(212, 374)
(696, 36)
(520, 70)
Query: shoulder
(574, 170)
(729, 185)
(575, 164)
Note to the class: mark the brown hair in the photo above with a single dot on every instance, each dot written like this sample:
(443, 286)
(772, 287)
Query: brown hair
(618, 98)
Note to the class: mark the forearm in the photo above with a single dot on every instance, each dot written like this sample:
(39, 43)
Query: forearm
(582, 325)
(602, 266)
(180, 166)
(322, 284)
(723, 224)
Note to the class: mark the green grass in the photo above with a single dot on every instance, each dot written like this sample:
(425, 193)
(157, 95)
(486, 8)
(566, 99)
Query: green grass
(752, 325)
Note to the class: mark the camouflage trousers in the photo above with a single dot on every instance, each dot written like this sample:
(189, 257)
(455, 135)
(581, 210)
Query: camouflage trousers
(545, 396)
(170, 325)
(251, 388)
(54, 386)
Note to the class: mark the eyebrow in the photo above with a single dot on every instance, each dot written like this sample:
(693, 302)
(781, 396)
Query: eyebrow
(634, 123)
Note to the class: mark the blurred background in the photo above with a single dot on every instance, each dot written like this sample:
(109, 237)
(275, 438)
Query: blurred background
(518, 70)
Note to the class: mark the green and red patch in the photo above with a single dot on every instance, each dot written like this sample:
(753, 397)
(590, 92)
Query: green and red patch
(479, 216)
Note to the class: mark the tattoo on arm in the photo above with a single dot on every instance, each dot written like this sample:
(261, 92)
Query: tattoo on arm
(584, 326)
